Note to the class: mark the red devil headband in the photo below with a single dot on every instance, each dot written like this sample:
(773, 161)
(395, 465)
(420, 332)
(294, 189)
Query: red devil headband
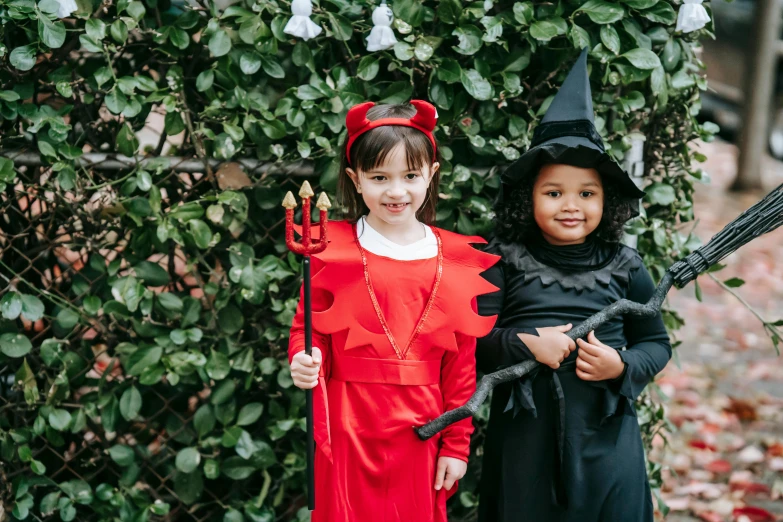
(357, 123)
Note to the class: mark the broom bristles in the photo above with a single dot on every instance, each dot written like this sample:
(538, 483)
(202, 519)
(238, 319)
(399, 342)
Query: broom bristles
(765, 216)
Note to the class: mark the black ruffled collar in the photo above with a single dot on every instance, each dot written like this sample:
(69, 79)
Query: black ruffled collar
(577, 267)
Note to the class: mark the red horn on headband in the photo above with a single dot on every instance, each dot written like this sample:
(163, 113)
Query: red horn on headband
(357, 117)
(426, 115)
(357, 123)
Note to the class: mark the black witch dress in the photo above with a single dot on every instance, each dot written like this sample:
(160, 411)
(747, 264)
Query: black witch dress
(560, 449)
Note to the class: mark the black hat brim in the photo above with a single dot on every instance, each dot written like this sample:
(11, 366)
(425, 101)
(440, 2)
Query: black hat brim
(570, 150)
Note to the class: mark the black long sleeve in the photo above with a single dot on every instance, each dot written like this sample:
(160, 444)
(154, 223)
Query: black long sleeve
(502, 346)
(649, 349)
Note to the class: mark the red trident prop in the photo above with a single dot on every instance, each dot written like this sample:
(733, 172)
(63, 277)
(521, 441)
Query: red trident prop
(307, 248)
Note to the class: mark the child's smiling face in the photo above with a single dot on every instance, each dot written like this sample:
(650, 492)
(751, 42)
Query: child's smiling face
(393, 192)
(568, 203)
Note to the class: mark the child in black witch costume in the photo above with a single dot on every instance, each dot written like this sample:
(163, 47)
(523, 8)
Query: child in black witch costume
(563, 443)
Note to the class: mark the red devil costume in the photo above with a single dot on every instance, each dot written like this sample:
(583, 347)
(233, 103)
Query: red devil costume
(398, 339)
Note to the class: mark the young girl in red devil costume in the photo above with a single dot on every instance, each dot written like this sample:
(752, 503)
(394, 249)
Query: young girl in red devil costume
(394, 328)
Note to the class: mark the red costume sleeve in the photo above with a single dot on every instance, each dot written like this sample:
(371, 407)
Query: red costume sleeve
(323, 342)
(458, 382)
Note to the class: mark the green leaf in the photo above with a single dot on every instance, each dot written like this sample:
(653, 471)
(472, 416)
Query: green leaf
(403, 51)
(580, 37)
(272, 67)
(223, 392)
(469, 39)
(545, 30)
(734, 282)
(602, 12)
(51, 33)
(661, 194)
(11, 305)
(179, 37)
(127, 142)
(658, 81)
(524, 13)
(308, 92)
(123, 455)
(59, 419)
(201, 232)
(250, 63)
(188, 460)
(449, 71)
(96, 29)
(610, 38)
(170, 302)
(671, 55)
(341, 27)
(640, 4)
(92, 305)
(151, 274)
(397, 92)
(143, 358)
(130, 403)
(219, 43)
(15, 345)
(137, 10)
(204, 420)
(250, 413)
(368, 67)
(173, 123)
(218, 366)
(662, 13)
(119, 31)
(23, 58)
(204, 80)
(188, 486)
(477, 87)
(236, 468)
(642, 59)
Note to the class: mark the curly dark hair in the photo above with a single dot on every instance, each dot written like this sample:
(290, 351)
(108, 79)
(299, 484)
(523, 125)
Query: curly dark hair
(515, 223)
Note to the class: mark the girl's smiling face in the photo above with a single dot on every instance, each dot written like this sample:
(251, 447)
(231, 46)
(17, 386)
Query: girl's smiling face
(568, 203)
(392, 191)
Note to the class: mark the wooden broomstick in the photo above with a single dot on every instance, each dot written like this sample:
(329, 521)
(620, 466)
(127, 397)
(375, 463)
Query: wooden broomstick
(763, 217)
(307, 248)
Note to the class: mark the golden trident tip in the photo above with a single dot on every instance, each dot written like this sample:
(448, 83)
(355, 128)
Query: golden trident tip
(289, 201)
(323, 202)
(306, 191)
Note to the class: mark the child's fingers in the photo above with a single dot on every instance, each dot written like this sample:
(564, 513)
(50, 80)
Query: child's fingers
(317, 357)
(592, 339)
(589, 349)
(563, 328)
(440, 474)
(305, 370)
(585, 366)
(587, 352)
(585, 376)
(307, 383)
(448, 483)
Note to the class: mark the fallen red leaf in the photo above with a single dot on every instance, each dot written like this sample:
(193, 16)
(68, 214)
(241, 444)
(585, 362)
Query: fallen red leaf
(719, 466)
(709, 516)
(744, 410)
(755, 514)
(750, 487)
(700, 444)
(775, 449)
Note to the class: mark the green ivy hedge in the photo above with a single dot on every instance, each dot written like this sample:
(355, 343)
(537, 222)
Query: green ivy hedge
(146, 307)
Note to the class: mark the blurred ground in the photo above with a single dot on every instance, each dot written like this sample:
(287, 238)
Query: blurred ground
(726, 398)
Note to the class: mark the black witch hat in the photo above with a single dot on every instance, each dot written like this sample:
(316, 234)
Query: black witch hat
(567, 135)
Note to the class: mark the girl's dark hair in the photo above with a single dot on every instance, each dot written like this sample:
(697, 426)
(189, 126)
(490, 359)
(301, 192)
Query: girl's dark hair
(515, 222)
(371, 150)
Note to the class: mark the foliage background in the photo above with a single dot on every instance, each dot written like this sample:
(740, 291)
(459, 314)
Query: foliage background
(147, 296)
